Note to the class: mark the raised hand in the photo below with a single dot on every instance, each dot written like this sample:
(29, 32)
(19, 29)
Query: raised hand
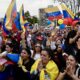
(40, 66)
(69, 70)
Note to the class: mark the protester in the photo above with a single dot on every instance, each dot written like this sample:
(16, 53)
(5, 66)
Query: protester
(37, 51)
(77, 50)
(45, 68)
(53, 42)
(72, 70)
(21, 70)
(70, 42)
(59, 58)
(26, 57)
(8, 50)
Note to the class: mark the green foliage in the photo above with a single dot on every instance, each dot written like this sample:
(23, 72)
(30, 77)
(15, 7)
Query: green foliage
(78, 2)
(27, 14)
(31, 19)
(35, 19)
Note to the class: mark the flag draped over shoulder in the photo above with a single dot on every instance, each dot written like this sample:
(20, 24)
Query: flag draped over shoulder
(13, 17)
(11, 14)
(51, 69)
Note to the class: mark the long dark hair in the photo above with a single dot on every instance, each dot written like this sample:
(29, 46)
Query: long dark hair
(10, 45)
(50, 53)
(35, 50)
(28, 51)
(74, 56)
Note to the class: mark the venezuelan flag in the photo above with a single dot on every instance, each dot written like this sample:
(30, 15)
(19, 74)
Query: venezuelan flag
(9, 17)
(14, 11)
(10, 10)
(17, 21)
(4, 27)
(11, 14)
(58, 13)
(13, 17)
(22, 18)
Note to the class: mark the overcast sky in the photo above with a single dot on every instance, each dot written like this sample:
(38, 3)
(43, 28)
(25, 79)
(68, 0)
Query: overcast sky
(31, 5)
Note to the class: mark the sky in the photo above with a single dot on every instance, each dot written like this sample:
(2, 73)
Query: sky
(31, 5)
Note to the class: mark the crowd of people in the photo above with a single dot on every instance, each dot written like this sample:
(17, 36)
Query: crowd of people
(42, 54)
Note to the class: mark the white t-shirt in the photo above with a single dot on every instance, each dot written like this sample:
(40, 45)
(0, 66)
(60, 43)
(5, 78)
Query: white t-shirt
(37, 56)
(53, 46)
(29, 40)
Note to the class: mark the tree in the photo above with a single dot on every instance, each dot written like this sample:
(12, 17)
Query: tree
(35, 20)
(31, 19)
(78, 2)
(27, 14)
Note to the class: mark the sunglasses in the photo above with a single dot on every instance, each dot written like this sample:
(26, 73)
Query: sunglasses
(37, 46)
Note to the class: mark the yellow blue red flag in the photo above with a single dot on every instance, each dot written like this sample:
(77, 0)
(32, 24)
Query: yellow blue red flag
(59, 11)
(22, 21)
(10, 15)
